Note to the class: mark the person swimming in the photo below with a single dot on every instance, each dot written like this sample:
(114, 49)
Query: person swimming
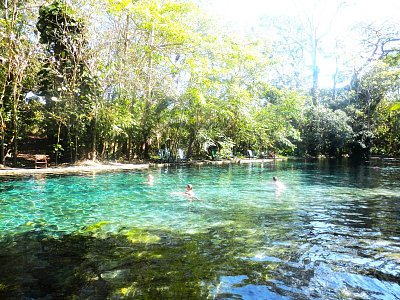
(150, 179)
(278, 185)
(189, 191)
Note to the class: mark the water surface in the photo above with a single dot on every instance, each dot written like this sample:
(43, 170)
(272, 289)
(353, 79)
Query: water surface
(334, 233)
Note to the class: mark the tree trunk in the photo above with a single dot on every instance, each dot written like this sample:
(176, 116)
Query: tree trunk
(58, 142)
(334, 88)
(94, 139)
(14, 118)
(2, 127)
(76, 148)
(2, 136)
(145, 145)
(146, 112)
(315, 71)
(190, 144)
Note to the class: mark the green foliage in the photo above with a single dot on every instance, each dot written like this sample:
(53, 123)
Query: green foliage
(278, 120)
(133, 75)
(395, 106)
(55, 20)
(386, 130)
(326, 132)
(17, 56)
(378, 85)
(65, 80)
(57, 148)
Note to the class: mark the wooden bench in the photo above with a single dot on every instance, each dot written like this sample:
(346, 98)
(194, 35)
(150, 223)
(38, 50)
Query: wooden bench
(40, 159)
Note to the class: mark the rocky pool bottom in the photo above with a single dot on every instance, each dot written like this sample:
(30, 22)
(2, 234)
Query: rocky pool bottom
(333, 234)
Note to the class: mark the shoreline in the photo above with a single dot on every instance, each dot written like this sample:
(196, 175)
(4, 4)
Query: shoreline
(90, 166)
(73, 169)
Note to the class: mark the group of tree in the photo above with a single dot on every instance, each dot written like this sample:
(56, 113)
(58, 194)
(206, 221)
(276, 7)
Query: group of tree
(121, 79)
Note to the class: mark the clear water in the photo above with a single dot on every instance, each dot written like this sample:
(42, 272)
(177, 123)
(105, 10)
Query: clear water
(334, 233)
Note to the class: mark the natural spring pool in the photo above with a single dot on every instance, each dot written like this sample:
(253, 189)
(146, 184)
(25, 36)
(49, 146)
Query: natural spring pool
(334, 233)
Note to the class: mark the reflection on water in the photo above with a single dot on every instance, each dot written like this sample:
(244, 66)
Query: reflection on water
(333, 233)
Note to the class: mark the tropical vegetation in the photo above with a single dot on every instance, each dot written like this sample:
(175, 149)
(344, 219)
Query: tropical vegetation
(120, 79)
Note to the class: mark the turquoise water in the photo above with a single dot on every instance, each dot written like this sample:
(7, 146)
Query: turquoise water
(334, 233)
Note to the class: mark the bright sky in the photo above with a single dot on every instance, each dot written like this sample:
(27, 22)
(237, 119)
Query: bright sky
(247, 12)
(243, 14)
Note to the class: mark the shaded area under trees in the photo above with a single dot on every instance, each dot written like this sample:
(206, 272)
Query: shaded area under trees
(120, 79)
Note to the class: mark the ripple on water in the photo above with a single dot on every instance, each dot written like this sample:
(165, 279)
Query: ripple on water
(334, 233)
